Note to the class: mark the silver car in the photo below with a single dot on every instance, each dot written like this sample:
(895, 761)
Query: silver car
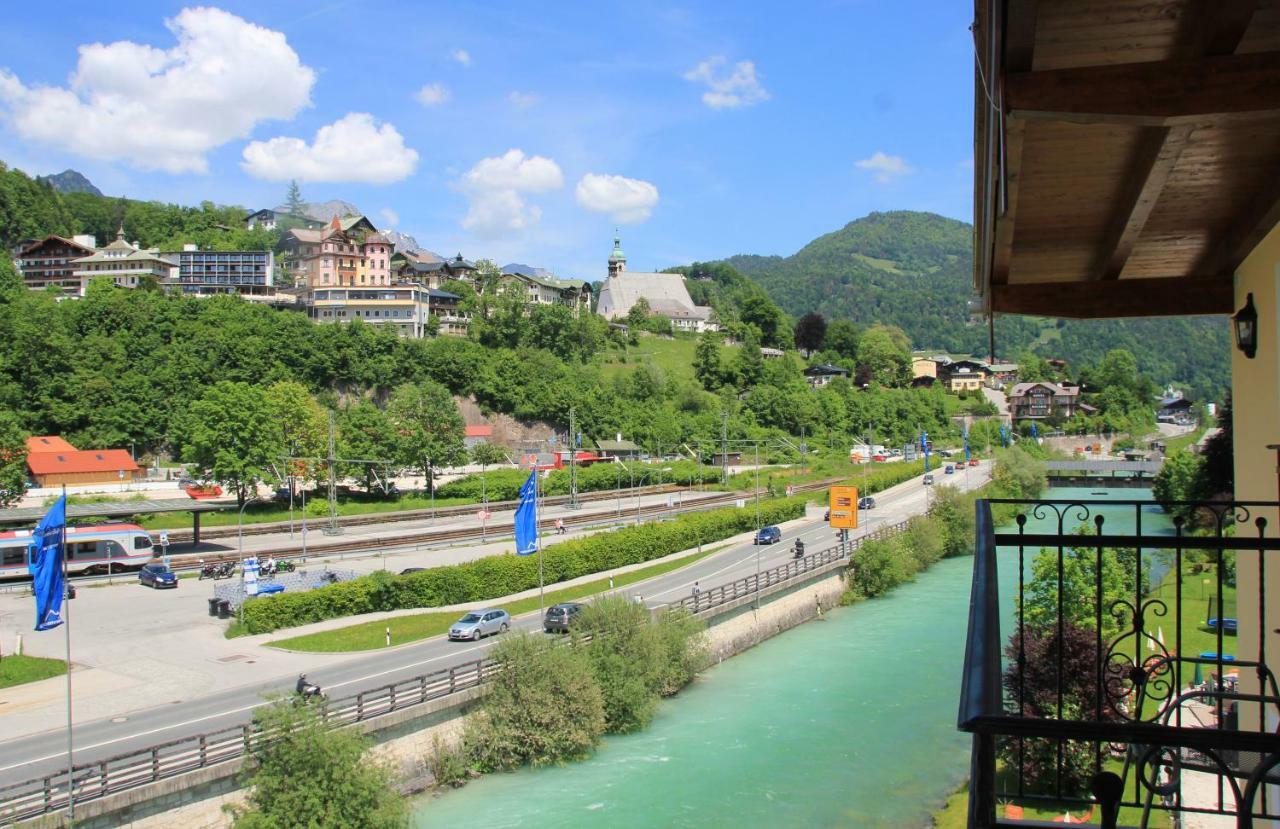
(479, 623)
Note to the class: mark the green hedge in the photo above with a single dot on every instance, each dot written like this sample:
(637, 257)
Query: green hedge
(504, 484)
(497, 576)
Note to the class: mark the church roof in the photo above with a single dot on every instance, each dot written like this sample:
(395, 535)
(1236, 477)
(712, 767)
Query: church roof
(665, 292)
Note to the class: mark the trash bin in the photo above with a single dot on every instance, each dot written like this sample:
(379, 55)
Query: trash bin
(224, 609)
(213, 606)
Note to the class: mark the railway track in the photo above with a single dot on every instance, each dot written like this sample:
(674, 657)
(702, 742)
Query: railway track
(429, 538)
(177, 536)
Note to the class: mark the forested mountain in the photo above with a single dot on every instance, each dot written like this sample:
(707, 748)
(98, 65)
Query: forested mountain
(914, 270)
(70, 181)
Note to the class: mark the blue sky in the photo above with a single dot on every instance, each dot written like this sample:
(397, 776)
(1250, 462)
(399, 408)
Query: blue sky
(508, 130)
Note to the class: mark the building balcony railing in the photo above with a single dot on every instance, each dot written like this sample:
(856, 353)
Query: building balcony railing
(1107, 671)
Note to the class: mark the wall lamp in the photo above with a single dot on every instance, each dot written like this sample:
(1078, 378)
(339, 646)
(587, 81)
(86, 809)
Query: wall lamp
(1245, 322)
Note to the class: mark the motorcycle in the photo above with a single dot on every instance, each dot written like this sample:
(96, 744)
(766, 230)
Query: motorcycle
(208, 571)
(306, 691)
(285, 566)
(226, 570)
(799, 549)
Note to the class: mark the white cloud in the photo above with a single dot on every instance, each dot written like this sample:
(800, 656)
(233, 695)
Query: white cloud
(522, 100)
(629, 200)
(885, 167)
(462, 56)
(496, 187)
(738, 88)
(390, 218)
(433, 94)
(161, 109)
(353, 148)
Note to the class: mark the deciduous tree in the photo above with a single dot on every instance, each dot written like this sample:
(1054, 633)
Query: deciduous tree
(428, 429)
(811, 332)
(230, 436)
(13, 459)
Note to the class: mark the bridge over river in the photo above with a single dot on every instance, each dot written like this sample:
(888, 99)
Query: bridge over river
(1102, 473)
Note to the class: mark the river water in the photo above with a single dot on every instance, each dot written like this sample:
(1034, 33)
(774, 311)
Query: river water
(848, 722)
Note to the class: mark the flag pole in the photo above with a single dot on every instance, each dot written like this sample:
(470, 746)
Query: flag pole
(537, 534)
(66, 628)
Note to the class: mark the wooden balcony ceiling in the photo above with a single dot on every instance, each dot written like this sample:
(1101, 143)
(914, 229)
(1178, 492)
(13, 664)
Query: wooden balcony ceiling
(1131, 158)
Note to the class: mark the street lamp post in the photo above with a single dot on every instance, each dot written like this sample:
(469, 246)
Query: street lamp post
(757, 525)
(240, 530)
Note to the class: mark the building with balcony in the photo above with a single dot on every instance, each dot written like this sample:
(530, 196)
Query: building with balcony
(49, 262)
(443, 307)
(250, 273)
(1041, 401)
(1125, 167)
(346, 252)
(543, 289)
(127, 265)
(964, 375)
(402, 307)
(431, 270)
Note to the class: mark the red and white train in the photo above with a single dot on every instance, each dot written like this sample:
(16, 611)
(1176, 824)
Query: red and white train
(95, 548)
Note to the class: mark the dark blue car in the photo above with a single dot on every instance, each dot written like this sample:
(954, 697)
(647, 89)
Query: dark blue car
(768, 535)
(157, 575)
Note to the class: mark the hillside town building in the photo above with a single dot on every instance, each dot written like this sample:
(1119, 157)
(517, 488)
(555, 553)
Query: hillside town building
(50, 262)
(250, 273)
(53, 461)
(127, 265)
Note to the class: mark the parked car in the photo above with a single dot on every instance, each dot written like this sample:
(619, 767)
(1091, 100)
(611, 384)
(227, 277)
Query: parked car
(479, 623)
(559, 617)
(879, 458)
(928, 479)
(406, 571)
(157, 576)
(866, 502)
(768, 535)
(973, 461)
(949, 470)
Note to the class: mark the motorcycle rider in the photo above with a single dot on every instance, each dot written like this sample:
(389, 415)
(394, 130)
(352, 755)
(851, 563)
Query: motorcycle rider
(799, 549)
(270, 567)
(306, 689)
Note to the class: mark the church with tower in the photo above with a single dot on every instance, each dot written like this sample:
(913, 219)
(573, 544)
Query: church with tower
(665, 293)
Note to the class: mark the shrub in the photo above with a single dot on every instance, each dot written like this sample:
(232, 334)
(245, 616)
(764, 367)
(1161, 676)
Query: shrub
(448, 766)
(504, 484)
(309, 775)
(496, 576)
(544, 706)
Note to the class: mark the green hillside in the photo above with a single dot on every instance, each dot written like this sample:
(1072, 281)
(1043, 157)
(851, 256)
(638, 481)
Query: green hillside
(915, 270)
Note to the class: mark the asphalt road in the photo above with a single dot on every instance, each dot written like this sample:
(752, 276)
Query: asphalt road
(35, 755)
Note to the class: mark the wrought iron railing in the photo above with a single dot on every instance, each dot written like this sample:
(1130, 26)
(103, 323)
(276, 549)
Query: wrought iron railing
(1122, 681)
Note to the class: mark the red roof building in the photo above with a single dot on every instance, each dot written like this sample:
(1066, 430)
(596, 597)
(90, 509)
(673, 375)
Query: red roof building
(53, 462)
(478, 433)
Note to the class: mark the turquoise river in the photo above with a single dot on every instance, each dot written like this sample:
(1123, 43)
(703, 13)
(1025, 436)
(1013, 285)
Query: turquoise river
(847, 722)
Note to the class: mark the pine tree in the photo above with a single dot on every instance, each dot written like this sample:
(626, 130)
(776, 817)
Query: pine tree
(293, 203)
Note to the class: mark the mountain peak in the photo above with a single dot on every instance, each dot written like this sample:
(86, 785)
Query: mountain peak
(70, 181)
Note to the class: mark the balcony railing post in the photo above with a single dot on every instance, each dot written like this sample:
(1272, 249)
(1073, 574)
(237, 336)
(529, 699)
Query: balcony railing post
(982, 782)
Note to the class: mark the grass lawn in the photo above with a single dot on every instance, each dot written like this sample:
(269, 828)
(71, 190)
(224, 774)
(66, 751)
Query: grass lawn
(1197, 637)
(1183, 441)
(17, 670)
(673, 357)
(372, 635)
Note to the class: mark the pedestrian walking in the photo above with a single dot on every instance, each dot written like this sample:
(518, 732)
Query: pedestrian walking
(697, 591)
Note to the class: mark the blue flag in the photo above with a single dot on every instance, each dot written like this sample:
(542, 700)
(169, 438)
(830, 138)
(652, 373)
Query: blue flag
(966, 444)
(1034, 433)
(527, 517)
(924, 447)
(47, 549)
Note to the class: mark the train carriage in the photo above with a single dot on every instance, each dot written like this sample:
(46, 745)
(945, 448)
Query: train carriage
(91, 549)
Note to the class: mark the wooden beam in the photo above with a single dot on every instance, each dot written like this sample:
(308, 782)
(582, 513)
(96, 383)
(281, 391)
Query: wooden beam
(1020, 34)
(1160, 297)
(1225, 21)
(1253, 223)
(1002, 247)
(1159, 93)
(1156, 156)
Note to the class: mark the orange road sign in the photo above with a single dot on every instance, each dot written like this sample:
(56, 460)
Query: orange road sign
(843, 508)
